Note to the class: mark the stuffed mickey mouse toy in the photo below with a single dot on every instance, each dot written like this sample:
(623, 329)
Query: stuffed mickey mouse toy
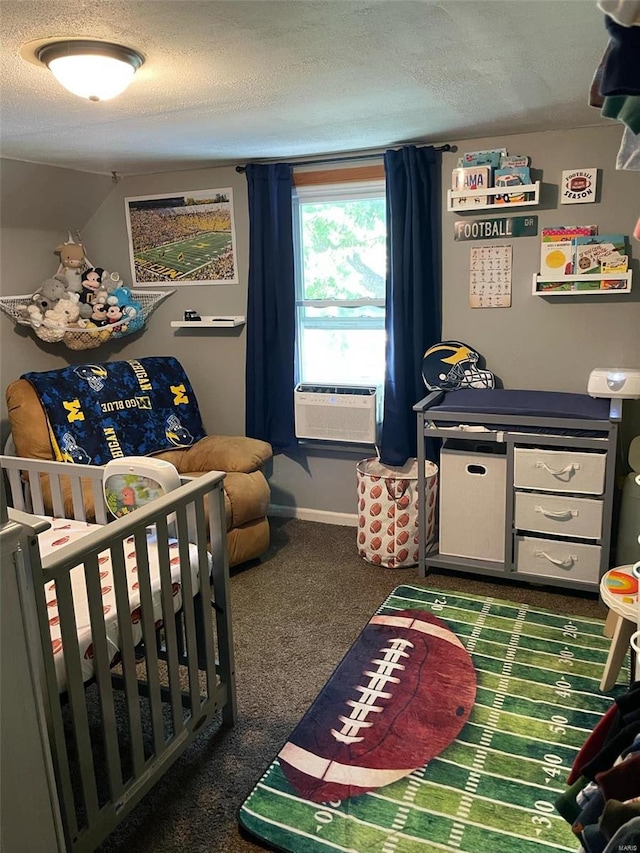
(91, 283)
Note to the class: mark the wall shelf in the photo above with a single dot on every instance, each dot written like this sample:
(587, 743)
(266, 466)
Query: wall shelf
(469, 198)
(567, 284)
(209, 323)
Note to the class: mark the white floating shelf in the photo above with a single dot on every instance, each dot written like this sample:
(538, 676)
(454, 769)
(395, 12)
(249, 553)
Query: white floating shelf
(622, 279)
(472, 198)
(209, 323)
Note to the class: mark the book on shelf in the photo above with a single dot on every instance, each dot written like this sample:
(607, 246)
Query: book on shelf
(614, 263)
(557, 258)
(561, 234)
(508, 161)
(544, 286)
(490, 157)
(471, 178)
(567, 232)
(577, 286)
(590, 251)
(587, 285)
(614, 284)
(510, 177)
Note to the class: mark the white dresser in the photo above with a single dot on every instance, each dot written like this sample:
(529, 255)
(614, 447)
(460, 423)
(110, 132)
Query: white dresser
(558, 510)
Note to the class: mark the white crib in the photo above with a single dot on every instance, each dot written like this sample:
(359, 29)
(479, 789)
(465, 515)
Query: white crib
(159, 675)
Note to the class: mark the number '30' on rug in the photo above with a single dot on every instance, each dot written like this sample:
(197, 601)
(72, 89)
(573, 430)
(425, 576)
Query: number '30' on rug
(451, 724)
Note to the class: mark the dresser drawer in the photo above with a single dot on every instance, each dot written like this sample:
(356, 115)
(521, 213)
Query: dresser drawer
(563, 515)
(573, 561)
(559, 471)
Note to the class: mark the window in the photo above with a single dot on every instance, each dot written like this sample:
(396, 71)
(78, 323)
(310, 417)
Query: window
(340, 244)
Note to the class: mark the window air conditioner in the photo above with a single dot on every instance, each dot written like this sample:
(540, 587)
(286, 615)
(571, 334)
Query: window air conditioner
(336, 412)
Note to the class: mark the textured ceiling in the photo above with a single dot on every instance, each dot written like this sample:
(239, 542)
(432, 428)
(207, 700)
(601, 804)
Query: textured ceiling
(230, 80)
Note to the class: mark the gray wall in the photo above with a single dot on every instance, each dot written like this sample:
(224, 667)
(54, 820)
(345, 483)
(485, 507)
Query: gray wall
(38, 205)
(550, 343)
(538, 343)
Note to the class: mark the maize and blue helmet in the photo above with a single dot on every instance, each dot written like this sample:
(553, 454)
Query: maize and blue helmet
(449, 365)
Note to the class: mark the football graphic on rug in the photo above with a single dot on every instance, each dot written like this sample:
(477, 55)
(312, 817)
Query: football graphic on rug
(401, 695)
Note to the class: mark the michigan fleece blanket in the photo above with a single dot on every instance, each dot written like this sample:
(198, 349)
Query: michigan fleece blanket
(99, 412)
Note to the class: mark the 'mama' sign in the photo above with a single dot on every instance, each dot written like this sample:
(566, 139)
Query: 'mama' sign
(492, 229)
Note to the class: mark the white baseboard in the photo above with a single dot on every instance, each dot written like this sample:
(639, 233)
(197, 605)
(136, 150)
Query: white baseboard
(344, 519)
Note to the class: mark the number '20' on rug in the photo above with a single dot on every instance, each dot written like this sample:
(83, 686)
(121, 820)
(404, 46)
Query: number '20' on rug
(450, 724)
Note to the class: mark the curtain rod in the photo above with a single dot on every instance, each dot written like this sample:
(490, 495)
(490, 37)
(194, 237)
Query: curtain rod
(346, 158)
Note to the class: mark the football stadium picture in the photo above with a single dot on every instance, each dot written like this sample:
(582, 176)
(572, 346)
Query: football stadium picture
(182, 238)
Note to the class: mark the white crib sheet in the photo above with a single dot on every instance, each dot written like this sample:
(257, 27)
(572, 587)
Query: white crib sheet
(64, 531)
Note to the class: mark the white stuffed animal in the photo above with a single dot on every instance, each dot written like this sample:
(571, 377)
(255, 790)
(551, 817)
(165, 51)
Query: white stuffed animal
(65, 313)
(57, 319)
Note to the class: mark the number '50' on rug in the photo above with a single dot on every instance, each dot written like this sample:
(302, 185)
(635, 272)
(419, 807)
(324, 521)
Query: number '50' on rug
(452, 723)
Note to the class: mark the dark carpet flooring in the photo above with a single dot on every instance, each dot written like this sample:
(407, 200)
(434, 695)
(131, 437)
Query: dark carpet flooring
(295, 615)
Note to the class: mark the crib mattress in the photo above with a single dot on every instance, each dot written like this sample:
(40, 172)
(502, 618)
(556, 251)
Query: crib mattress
(64, 531)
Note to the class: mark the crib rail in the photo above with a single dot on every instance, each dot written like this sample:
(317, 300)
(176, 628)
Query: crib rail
(54, 488)
(113, 738)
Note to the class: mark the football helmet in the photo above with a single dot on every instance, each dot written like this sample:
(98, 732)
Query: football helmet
(449, 365)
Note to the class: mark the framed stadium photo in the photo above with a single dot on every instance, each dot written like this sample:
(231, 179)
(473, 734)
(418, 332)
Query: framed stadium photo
(182, 238)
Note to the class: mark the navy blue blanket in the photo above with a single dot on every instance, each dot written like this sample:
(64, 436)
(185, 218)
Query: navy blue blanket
(99, 412)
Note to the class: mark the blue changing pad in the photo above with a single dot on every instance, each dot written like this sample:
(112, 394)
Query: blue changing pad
(517, 404)
(544, 404)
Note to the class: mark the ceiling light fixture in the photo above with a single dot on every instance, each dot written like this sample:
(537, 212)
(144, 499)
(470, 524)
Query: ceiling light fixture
(96, 70)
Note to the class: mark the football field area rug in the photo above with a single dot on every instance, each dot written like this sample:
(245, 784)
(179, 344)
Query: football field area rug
(451, 724)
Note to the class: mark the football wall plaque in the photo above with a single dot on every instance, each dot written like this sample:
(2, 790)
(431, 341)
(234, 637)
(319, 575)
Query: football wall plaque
(578, 186)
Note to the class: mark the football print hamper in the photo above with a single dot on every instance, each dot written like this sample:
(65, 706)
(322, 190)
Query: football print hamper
(388, 511)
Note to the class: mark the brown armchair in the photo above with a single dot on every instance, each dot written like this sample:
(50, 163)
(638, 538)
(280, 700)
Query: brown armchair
(246, 489)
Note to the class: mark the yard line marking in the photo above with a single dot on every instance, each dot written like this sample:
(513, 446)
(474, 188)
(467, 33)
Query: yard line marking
(494, 714)
(491, 775)
(539, 683)
(494, 829)
(533, 701)
(585, 619)
(471, 786)
(471, 746)
(400, 820)
(527, 737)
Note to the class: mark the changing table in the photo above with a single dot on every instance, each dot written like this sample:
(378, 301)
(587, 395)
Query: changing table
(526, 484)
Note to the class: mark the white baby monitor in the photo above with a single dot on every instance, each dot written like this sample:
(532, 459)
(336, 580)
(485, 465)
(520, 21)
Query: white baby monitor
(133, 481)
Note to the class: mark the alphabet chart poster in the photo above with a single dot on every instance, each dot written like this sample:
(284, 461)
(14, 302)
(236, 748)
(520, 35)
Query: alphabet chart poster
(490, 277)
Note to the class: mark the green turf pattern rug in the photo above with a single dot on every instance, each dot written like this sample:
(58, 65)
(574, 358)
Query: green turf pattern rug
(491, 782)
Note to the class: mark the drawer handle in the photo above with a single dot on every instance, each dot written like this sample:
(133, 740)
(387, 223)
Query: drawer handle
(568, 469)
(560, 513)
(567, 563)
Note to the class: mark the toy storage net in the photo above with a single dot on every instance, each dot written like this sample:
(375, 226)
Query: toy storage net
(78, 338)
(388, 511)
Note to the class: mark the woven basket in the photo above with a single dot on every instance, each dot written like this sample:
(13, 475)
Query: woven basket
(77, 338)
